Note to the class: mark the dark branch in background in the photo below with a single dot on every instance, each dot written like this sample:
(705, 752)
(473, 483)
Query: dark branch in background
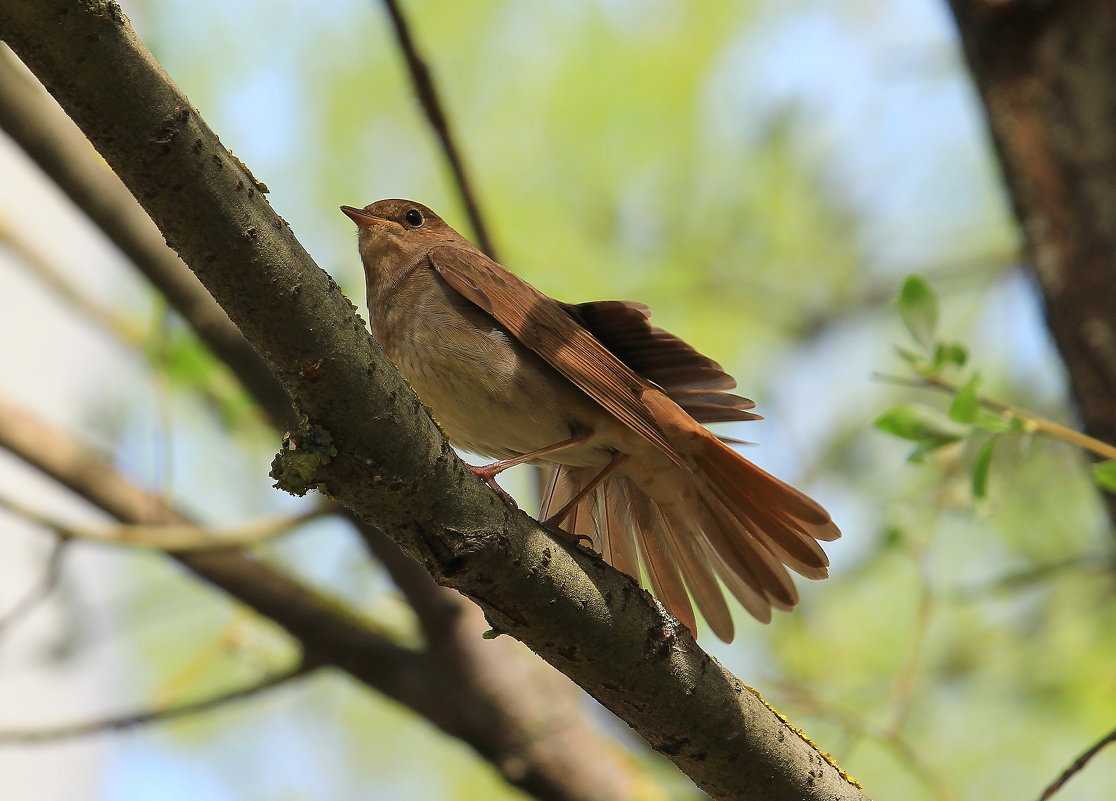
(367, 441)
(328, 632)
(498, 704)
(431, 103)
(461, 685)
(39, 127)
(1045, 72)
(1078, 765)
(40, 590)
(131, 721)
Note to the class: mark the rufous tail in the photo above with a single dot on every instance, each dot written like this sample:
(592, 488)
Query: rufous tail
(739, 524)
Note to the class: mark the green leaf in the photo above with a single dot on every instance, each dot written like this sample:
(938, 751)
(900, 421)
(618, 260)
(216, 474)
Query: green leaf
(928, 446)
(914, 358)
(996, 423)
(918, 306)
(955, 353)
(1104, 473)
(892, 537)
(981, 468)
(918, 423)
(966, 402)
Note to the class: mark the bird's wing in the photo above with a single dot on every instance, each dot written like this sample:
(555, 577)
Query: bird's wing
(693, 381)
(543, 325)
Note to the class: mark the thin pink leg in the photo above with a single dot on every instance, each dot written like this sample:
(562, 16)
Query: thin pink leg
(487, 473)
(554, 522)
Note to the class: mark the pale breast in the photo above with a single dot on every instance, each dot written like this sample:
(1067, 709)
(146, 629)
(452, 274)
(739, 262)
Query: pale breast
(491, 395)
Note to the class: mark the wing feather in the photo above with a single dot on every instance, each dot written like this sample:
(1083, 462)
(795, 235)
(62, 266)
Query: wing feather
(546, 327)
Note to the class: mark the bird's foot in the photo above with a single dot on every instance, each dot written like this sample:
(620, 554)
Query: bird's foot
(553, 524)
(487, 473)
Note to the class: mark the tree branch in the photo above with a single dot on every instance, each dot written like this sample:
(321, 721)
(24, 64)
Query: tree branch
(40, 590)
(39, 127)
(1033, 422)
(429, 99)
(465, 687)
(367, 441)
(1078, 765)
(173, 537)
(1045, 72)
(134, 719)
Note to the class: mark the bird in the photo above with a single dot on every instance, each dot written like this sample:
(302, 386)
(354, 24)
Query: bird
(611, 406)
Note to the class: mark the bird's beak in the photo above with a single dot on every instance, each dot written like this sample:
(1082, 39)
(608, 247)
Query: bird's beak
(362, 218)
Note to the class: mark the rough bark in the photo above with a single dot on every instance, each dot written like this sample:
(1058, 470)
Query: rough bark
(63, 154)
(368, 442)
(1046, 72)
(512, 709)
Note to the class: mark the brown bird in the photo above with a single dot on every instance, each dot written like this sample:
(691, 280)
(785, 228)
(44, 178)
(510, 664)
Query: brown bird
(610, 404)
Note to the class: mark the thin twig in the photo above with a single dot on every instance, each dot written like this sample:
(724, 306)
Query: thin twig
(1077, 765)
(134, 719)
(40, 590)
(431, 103)
(48, 274)
(1033, 421)
(176, 537)
(1034, 574)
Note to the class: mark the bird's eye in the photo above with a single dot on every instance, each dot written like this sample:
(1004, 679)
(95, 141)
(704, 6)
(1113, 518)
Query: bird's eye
(413, 218)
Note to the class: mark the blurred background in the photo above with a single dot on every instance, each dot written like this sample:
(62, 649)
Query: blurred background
(764, 175)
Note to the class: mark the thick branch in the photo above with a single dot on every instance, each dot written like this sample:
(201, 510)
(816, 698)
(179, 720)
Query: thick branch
(467, 682)
(39, 127)
(512, 713)
(369, 442)
(1045, 72)
(327, 632)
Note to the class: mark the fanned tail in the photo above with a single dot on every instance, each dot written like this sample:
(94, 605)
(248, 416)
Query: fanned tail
(739, 524)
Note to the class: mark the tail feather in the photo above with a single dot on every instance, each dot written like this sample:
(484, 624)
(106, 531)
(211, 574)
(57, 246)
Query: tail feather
(697, 570)
(754, 487)
(744, 554)
(618, 539)
(662, 568)
(739, 524)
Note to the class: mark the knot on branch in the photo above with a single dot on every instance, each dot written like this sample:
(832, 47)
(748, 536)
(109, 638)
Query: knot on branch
(305, 450)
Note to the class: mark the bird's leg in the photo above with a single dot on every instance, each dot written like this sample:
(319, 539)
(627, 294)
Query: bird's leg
(554, 522)
(487, 473)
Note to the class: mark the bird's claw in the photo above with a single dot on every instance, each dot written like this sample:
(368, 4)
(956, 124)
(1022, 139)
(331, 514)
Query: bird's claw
(580, 540)
(488, 476)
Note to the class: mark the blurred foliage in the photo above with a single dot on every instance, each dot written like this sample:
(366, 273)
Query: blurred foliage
(672, 153)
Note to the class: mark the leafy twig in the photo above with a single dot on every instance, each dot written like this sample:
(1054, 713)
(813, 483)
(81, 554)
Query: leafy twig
(1030, 420)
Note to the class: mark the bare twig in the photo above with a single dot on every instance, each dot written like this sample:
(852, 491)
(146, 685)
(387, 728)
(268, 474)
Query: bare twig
(1078, 765)
(170, 537)
(46, 272)
(1029, 576)
(40, 590)
(1031, 421)
(135, 719)
(431, 103)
